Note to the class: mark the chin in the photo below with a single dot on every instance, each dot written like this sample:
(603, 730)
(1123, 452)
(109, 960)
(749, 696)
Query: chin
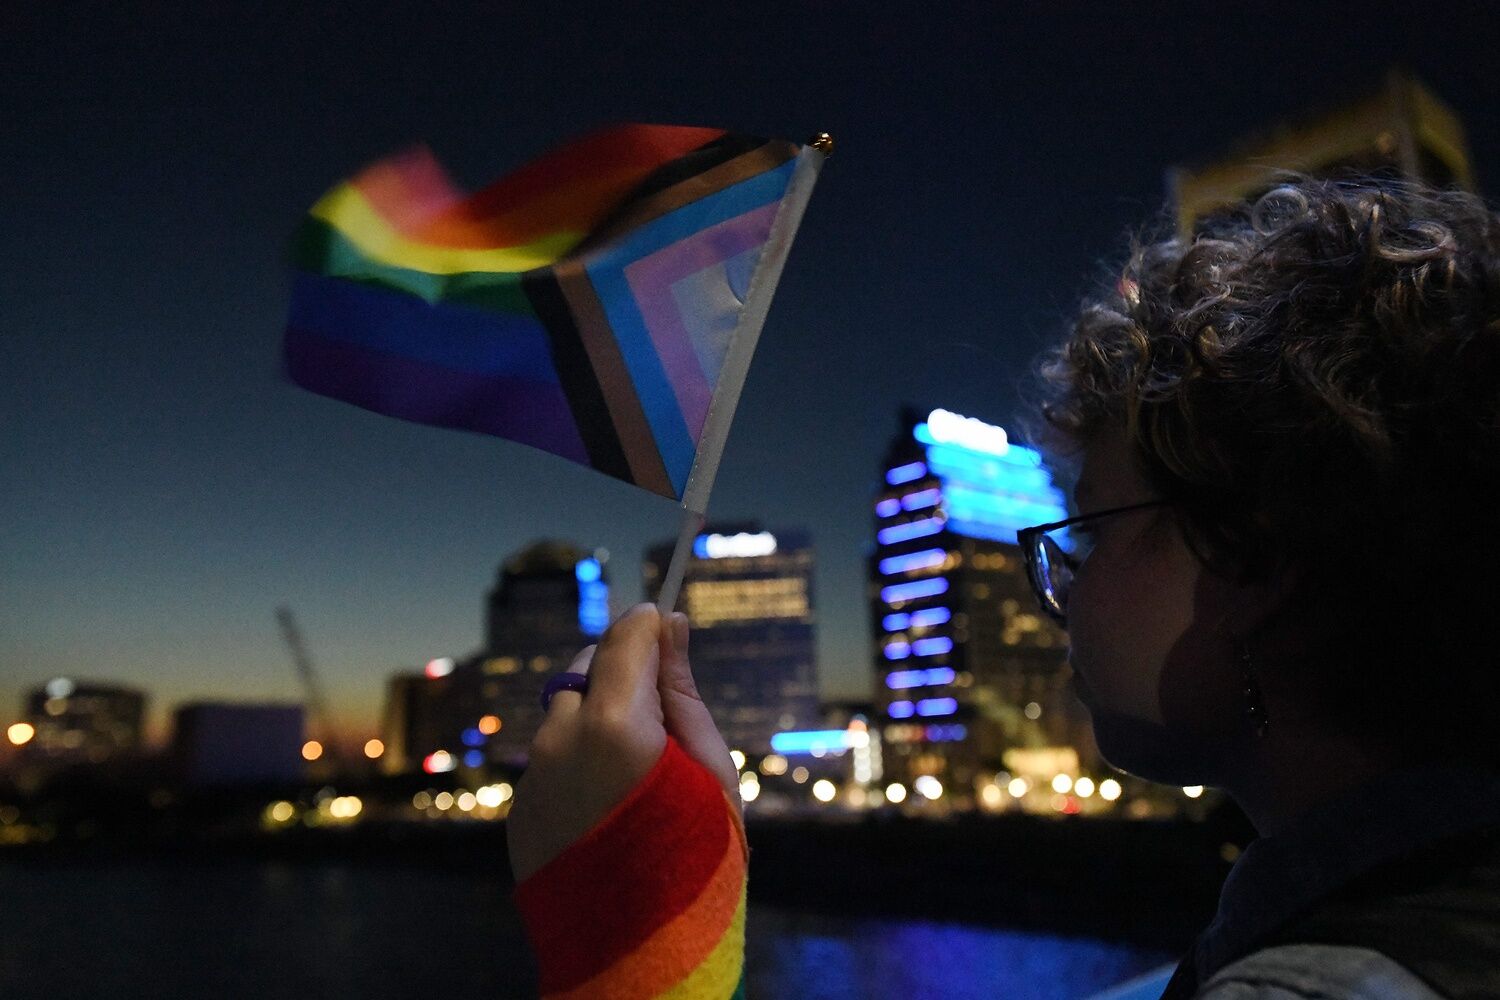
(1150, 751)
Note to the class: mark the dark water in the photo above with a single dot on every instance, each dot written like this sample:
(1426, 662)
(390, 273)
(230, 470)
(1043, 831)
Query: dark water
(278, 931)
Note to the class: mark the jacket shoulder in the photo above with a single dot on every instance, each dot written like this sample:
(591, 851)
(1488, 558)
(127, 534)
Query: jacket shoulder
(1321, 971)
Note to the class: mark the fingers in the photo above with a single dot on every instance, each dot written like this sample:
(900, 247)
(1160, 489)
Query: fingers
(627, 659)
(566, 703)
(675, 672)
(685, 715)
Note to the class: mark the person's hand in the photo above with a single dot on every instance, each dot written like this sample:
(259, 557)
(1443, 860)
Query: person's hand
(590, 751)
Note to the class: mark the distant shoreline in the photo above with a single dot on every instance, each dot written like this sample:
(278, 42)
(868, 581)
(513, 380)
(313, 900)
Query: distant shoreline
(1149, 883)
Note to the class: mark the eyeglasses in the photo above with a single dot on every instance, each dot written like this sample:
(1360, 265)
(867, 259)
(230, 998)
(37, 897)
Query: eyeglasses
(1051, 566)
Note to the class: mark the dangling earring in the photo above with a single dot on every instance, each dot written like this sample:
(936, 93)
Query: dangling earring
(1255, 706)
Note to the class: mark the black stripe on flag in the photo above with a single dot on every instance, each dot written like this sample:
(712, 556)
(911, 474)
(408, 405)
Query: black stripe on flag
(700, 160)
(579, 384)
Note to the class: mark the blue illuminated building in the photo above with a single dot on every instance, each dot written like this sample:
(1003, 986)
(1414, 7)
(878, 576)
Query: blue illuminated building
(966, 665)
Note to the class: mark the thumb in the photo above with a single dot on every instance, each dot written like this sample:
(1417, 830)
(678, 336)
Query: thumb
(687, 717)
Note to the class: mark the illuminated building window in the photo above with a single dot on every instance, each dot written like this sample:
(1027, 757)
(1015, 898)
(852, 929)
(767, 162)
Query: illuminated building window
(593, 597)
(991, 560)
(712, 602)
(744, 545)
(541, 664)
(922, 498)
(502, 665)
(919, 678)
(935, 646)
(912, 562)
(990, 487)
(937, 706)
(913, 590)
(888, 507)
(906, 473)
(929, 616)
(911, 529)
(901, 709)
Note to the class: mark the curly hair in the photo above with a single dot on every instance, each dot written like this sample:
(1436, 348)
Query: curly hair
(1314, 378)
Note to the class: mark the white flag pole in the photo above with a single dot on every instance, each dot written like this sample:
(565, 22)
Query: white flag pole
(737, 361)
(666, 600)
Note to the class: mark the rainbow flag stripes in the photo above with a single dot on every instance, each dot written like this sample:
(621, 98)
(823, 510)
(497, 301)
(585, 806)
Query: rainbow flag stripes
(649, 903)
(583, 304)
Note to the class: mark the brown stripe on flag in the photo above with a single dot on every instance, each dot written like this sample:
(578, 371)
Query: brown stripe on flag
(586, 401)
(767, 156)
(629, 418)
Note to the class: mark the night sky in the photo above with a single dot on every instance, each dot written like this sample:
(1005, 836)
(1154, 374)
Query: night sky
(162, 489)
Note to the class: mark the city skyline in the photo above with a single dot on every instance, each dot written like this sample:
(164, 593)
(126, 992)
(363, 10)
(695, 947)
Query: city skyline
(352, 734)
(168, 492)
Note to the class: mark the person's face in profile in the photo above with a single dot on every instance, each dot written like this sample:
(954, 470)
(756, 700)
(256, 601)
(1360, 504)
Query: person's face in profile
(1159, 680)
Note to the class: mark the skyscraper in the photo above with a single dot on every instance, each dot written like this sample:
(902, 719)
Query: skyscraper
(424, 714)
(550, 601)
(748, 596)
(79, 722)
(967, 669)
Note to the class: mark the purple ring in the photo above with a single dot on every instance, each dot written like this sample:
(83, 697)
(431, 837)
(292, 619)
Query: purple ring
(568, 681)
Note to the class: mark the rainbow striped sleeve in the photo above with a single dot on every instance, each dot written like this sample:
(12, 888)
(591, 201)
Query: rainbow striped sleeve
(650, 903)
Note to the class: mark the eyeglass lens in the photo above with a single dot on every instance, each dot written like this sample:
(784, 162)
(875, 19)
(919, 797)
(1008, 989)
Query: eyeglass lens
(1054, 566)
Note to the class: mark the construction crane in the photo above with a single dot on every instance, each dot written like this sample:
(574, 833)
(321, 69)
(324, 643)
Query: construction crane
(317, 707)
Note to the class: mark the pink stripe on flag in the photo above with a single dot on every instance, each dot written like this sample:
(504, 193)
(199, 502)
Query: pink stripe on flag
(651, 280)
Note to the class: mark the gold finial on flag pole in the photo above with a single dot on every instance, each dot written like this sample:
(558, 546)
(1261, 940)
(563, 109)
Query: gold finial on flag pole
(823, 143)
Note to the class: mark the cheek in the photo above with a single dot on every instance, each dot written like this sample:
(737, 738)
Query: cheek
(1124, 621)
(1200, 681)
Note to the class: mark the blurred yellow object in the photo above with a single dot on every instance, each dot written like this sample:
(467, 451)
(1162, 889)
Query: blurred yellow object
(1402, 125)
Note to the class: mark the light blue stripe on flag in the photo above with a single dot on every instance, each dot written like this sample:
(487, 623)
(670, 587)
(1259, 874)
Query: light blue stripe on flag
(606, 270)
